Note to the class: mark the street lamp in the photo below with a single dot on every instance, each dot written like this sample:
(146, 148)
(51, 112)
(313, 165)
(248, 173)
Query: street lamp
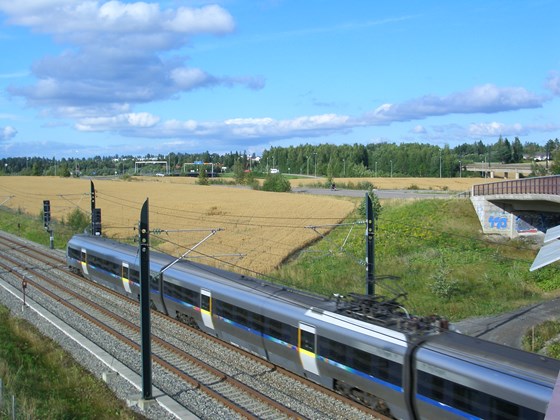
(460, 170)
(307, 165)
(344, 163)
(440, 164)
(391, 169)
(315, 164)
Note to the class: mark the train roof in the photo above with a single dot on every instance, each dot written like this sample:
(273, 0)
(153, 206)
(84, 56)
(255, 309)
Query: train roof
(224, 277)
(487, 352)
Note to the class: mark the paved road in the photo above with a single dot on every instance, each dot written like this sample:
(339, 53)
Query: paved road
(380, 193)
(509, 328)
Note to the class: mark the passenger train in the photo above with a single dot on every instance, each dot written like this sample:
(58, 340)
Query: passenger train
(401, 366)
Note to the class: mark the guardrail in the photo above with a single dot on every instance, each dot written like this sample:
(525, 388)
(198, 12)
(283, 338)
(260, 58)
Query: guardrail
(540, 185)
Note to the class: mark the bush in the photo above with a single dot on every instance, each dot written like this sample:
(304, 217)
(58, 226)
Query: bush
(276, 183)
(202, 176)
(442, 286)
(375, 204)
(78, 220)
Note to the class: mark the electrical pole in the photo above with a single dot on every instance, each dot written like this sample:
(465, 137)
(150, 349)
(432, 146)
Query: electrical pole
(370, 245)
(92, 194)
(144, 240)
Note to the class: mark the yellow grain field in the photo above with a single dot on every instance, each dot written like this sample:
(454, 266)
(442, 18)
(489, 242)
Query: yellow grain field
(435, 184)
(259, 228)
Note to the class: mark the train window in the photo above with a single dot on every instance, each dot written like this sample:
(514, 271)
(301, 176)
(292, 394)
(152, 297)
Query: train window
(280, 330)
(371, 364)
(361, 360)
(84, 256)
(125, 271)
(181, 294)
(204, 302)
(332, 350)
(134, 275)
(223, 309)
(307, 341)
(74, 253)
(470, 400)
(239, 315)
(256, 321)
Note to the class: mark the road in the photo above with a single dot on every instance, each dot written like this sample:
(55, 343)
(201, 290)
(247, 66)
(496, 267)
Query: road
(380, 193)
(509, 328)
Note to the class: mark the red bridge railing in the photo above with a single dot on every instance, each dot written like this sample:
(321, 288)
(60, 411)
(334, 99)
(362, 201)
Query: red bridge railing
(540, 185)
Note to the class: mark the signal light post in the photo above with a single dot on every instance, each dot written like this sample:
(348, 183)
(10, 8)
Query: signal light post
(47, 221)
(144, 229)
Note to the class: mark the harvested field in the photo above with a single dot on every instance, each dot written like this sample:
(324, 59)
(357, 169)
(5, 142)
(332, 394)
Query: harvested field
(260, 228)
(436, 184)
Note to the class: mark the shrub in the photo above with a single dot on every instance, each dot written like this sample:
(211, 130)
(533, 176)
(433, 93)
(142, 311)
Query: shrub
(78, 220)
(202, 176)
(442, 286)
(375, 204)
(276, 183)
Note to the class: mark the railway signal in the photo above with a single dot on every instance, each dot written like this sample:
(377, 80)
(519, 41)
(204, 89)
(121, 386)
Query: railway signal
(46, 213)
(47, 220)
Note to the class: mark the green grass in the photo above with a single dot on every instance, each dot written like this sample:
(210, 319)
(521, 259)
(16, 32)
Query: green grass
(445, 265)
(46, 381)
(543, 336)
(31, 228)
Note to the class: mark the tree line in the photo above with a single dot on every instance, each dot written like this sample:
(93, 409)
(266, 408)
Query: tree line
(357, 160)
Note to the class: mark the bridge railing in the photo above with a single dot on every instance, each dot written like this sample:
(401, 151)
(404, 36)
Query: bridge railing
(540, 185)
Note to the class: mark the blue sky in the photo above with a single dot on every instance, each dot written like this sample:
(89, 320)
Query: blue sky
(84, 78)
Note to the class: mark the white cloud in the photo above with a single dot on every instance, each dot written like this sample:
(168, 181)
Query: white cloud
(8, 132)
(418, 129)
(553, 83)
(480, 99)
(117, 52)
(207, 19)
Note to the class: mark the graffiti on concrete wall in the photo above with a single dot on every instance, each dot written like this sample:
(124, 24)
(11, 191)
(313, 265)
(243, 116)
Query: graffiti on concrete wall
(498, 222)
(533, 222)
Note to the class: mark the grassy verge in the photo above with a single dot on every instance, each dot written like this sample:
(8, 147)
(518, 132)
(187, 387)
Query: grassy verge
(46, 381)
(435, 247)
(31, 228)
(544, 338)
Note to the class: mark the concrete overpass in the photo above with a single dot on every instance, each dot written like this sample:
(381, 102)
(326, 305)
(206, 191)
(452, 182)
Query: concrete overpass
(525, 207)
(502, 170)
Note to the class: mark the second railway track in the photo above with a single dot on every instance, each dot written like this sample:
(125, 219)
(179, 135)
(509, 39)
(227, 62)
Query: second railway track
(186, 360)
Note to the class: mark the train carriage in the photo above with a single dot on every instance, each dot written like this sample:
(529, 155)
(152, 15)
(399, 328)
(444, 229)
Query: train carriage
(392, 365)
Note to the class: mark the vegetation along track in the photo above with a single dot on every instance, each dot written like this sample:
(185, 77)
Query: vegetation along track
(245, 383)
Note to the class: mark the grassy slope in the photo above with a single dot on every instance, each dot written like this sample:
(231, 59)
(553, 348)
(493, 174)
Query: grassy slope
(47, 382)
(445, 264)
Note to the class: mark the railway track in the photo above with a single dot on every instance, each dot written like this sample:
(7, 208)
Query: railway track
(244, 385)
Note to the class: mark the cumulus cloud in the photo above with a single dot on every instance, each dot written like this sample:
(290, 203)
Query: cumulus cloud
(480, 99)
(553, 83)
(7, 133)
(418, 129)
(115, 56)
(149, 126)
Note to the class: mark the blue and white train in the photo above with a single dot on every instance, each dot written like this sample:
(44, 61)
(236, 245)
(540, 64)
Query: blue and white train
(393, 365)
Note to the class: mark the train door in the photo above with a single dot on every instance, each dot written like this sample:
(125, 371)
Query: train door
(83, 261)
(307, 343)
(126, 277)
(206, 308)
